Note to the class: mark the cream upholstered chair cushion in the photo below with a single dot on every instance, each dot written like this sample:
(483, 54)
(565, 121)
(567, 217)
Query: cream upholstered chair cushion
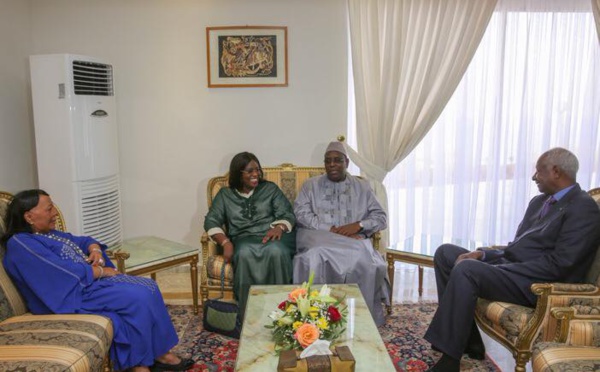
(518, 328)
(558, 357)
(54, 342)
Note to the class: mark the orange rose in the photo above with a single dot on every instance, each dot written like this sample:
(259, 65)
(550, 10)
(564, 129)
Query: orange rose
(293, 296)
(306, 334)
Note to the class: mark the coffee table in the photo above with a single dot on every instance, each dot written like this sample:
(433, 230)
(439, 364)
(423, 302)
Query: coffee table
(149, 254)
(419, 250)
(256, 351)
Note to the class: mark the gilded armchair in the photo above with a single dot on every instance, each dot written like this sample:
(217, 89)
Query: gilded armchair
(518, 328)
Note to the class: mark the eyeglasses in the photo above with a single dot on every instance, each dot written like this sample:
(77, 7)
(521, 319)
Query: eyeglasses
(251, 170)
(336, 160)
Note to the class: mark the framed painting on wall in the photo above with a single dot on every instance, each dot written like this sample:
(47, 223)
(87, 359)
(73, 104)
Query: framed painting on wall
(247, 56)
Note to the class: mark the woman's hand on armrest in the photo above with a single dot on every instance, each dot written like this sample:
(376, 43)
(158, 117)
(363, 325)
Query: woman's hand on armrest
(227, 245)
(228, 251)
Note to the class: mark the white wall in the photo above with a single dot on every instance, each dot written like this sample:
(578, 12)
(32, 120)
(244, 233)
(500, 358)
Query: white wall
(175, 133)
(17, 146)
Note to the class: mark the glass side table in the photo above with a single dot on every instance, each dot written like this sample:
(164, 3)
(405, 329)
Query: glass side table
(419, 250)
(150, 254)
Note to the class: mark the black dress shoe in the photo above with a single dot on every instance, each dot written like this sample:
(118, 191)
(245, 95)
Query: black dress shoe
(183, 365)
(476, 351)
(446, 364)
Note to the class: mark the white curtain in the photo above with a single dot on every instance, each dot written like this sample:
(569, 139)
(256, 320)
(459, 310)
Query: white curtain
(533, 84)
(408, 56)
(596, 10)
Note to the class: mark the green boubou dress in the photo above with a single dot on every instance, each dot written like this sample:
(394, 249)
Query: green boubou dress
(247, 218)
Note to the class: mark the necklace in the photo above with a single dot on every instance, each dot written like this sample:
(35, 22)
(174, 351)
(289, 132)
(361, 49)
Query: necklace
(66, 241)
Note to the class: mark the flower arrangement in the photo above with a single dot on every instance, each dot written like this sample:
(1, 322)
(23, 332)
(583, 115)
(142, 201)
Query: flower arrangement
(307, 316)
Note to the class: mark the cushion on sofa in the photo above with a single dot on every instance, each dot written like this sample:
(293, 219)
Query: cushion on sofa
(214, 265)
(506, 318)
(558, 357)
(11, 302)
(57, 342)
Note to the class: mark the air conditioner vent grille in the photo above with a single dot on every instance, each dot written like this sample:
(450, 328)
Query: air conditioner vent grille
(92, 79)
(101, 210)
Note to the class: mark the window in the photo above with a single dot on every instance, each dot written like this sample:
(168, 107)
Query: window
(533, 84)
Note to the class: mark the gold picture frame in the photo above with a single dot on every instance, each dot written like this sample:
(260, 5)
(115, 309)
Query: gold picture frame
(246, 56)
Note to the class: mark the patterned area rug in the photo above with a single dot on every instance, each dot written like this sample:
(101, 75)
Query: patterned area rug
(402, 336)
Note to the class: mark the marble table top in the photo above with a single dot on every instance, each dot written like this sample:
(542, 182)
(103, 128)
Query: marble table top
(147, 251)
(256, 351)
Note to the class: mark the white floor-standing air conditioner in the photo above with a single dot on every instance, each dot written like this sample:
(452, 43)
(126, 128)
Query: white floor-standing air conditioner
(76, 142)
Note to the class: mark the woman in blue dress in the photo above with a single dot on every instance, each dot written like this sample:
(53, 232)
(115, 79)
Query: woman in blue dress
(58, 273)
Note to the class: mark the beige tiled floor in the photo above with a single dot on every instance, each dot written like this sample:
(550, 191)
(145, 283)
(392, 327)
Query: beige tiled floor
(175, 285)
(176, 288)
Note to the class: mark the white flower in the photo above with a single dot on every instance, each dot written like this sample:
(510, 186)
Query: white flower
(325, 295)
(325, 291)
(276, 314)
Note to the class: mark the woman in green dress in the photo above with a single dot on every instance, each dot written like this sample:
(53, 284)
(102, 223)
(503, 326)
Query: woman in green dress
(258, 234)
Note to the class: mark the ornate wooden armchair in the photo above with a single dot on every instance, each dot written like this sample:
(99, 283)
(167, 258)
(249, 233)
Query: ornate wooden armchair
(289, 178)
(73, 342)
(518, 328)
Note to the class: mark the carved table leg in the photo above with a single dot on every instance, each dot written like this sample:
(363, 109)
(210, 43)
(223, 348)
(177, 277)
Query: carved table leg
(194, 274)
(420, 281)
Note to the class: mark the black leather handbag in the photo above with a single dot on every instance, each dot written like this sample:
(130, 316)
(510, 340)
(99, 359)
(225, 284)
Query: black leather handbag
(221, 316)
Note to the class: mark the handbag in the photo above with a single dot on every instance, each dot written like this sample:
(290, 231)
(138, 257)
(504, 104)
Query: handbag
(342, 360)
(221, 316)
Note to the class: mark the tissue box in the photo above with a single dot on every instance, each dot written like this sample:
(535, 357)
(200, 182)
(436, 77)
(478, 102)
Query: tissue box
(342, 360)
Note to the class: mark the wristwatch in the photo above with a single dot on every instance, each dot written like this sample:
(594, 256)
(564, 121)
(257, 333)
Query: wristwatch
(362, 227)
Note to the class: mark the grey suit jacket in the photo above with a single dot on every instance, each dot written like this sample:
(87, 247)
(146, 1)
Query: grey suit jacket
(559, 247)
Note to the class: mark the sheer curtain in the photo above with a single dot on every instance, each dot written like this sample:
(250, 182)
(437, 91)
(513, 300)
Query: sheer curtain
(533, 84)
(408, 57)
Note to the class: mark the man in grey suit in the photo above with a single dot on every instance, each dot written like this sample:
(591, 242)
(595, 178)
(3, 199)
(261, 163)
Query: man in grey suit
(556, 242)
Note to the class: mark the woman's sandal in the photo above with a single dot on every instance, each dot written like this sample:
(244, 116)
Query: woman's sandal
(183, 365)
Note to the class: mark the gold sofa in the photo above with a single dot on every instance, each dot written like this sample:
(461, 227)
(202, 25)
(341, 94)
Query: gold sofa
(518, 328)
(56, 342)
(289, 178)
(576, 346)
